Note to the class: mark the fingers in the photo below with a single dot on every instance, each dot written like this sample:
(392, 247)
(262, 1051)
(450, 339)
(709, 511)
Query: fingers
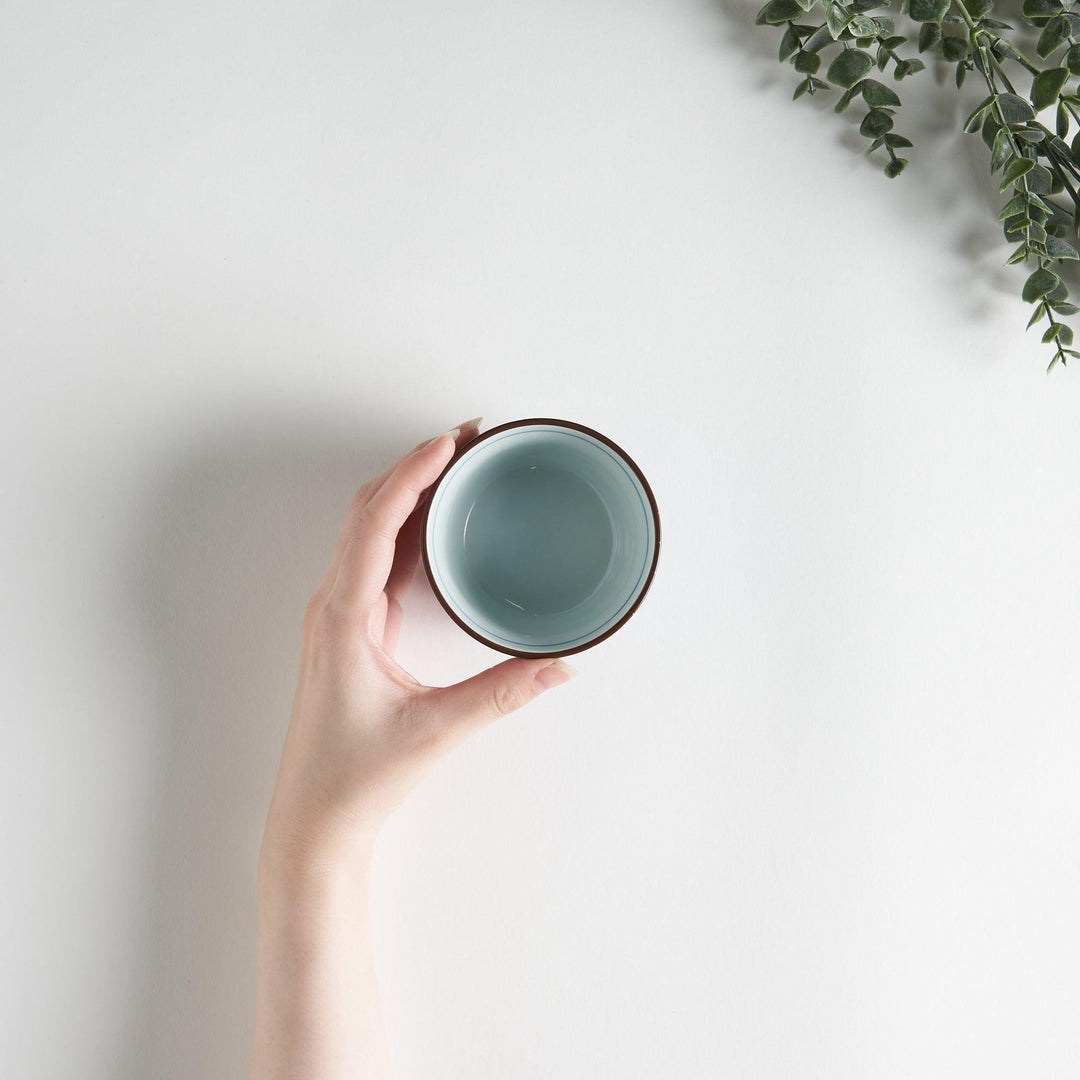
(467, 432)
(406, 556)
(407, 549)
(368, 556)
(455, 712)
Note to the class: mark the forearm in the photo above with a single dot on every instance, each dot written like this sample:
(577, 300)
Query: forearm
(317, 1014)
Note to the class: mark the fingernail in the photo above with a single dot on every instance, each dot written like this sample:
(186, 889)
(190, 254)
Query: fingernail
(554, 675)
(474, 422)
(453, 433)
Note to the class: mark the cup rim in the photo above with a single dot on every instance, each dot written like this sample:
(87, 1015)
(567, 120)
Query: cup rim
(530, 422)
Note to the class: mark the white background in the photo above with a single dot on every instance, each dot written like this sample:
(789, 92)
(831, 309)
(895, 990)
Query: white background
(813, 812)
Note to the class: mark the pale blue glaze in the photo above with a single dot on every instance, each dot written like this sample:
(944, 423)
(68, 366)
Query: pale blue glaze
(540, 538)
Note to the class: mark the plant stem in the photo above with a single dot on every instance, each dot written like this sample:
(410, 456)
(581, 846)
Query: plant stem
(986, 67)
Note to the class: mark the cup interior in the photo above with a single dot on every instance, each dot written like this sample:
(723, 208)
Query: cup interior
(540, 538)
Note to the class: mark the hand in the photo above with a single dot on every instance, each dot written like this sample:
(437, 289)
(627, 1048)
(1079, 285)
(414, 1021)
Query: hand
(363, 731)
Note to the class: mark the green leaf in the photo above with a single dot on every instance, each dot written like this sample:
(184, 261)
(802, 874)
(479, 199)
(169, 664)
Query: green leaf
(1047, 85)
(776, 12)
(1036, 214)
(1059, 331)
(862, 26)
(1034, 8)
(1027, 136)
(990, 129)
(807, 62)
(845, 100)
(908, 67)
(929, 36)
(836, 19)
(1016, 205)
(1056, 248)
(1061, 121)
(1072, 59)
(1002, 150)
(1016, 168)
(1040, 284)
(789, 44)
(975, 119)
(1066, 309)
(895, 167)
(928, 10)
(978, 8)
(801, 89)
(1062, 147)
(818, 40)
(848, 67)
(1019, 255)
(875, 124)
(1030, 134)
(1058, 293)
(1014, 109)
(1040, 180)
(1053, 36)
(877, 94)
(954, 49)
(1015, 227)
(897, 142)
(1037, 314)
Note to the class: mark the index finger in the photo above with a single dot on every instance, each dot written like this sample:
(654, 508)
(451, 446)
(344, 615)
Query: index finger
(368, 556)
(469, 430)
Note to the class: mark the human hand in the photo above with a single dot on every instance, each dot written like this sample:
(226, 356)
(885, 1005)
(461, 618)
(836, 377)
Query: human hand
(364, 731)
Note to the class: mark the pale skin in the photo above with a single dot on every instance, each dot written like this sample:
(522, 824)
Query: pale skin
(363, 733)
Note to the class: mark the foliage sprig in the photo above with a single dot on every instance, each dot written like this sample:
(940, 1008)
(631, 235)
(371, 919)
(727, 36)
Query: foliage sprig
(1039, 167)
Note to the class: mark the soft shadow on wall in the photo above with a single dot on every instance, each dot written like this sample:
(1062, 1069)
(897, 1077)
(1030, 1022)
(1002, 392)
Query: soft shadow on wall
(238, 532)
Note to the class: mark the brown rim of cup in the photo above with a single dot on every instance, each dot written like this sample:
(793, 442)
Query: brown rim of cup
(531, 421)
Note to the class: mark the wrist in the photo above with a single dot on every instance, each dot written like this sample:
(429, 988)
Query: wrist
(297, 864)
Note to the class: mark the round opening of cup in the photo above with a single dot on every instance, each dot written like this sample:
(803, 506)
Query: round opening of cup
(540, 538)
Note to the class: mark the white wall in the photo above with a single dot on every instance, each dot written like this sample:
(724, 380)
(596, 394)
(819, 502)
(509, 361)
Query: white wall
(812, 813)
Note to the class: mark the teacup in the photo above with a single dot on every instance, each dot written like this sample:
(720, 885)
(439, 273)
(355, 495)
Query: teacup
(540, 537)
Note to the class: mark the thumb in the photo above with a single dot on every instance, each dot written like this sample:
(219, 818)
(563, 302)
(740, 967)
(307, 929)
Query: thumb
(462, 708)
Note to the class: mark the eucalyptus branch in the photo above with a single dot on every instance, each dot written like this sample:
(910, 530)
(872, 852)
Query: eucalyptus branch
(1037, 165)
(847, 25)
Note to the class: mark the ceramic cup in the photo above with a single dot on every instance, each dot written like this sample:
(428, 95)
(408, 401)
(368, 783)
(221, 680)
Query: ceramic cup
(540, 538)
